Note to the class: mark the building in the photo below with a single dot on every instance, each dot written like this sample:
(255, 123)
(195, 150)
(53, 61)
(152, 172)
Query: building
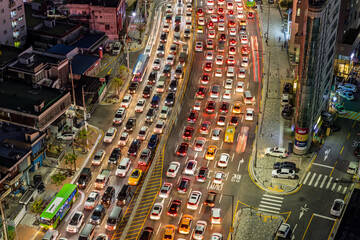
(8, 55)
(12, 23)
(84, 64)
(99, 15)
(312, 44)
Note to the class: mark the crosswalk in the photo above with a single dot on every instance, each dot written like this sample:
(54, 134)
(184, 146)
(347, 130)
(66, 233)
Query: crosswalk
(270, 203)
(324, 182)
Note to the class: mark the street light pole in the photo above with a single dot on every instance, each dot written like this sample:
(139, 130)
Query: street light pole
(232, 214)
(3, 220)
(86, 128)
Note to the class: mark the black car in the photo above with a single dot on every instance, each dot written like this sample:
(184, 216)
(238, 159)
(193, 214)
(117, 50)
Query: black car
(173, 86)
(147, 233)
(242, 29)
(152, 78)
(210, 200)
(287, 88)
(161, 50)
(202, 174)
(287, 111)
(234, 120)
(332, 126)
(133, 87)
(178, 71)
(130, 124)
(170, 99)
(115, 156)
(108, 195)
(84, 178)
(182, 149)
(183, 185)
(167, 70)
(163, 37)
(224, 107)
(192, 116)
(287, 165)
(174, 208)
(177, 28)
(98, 215)
(147, 91)
(39, 184)
(150, 115)
(153, 141)
(134, 147)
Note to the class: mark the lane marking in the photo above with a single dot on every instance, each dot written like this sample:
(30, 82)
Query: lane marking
(323, 181)
(272, 200)
(272, 196)
(306, 178)
(333, 187)
(317, 180)
(325, 217)
(312, 179)
(333, 169)
(330, 180)
(339, 188)
(265, 206)
(269, 203)
(266, 210)
(344, 191)
(322, 165)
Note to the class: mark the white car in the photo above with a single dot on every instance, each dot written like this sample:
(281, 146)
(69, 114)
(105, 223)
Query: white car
(124, 138)
(221, 120)
(98, 158)
(92, 200)
(165, 190)
(240, 87)
(216, 236)
(221, 27)
(143, 132)
(173, 169)
(194, 200)
(164, 112)
(125, 103)
(214, 18)
(120, 115)
(211, 34)
(170, 60)
(229, 5)
(189, 7)
(219, 177)
(227, 94)
(188, 24)
(337, 207)
(347, 87)
(276, 152)
(110, 135)
(240, 15)
(215, 216)
(232, 32)
(166, 27)
(201, 21)
(199, 144)
(219, 60)
(216, 134)
(244, 61)
(169, 8)
(140, 105)
(230, 72)
(345, 94)
(210, 2)
(157, 64)
(75, 223)
(159, 127)
(249, 116)
(199, 46)
(283, 173)
(199, 230)
(242, 73)
(209, 55)
(156, 211)
(228, 84)
(197, 105)
(123, 167)
(224, 160)
(244, 39)
(190, 167)
(239, 7)
(210, 10)
(218, 72)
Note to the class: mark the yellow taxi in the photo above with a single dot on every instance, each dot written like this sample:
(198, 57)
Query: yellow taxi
(210, 154)
(135, 177)
(169, 232)
(185, 224)
(237, 107)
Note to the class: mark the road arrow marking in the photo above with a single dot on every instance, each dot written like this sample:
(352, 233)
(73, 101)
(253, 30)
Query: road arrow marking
(303, 210)
(326, 154)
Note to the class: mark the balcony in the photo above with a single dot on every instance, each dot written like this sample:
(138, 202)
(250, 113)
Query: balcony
(298, 38)
(12, 3)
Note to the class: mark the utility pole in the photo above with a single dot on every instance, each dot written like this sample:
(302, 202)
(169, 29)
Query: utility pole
(3, 220)
(75, 115)
(86, 129)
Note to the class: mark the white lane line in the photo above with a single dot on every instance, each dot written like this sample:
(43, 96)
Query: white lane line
(330, 180)
(317, 180)
(272, 200)
(220, 198)
(323, 181)
(312, 179)
(272, 196)
(325, 217)
(333, 186)
(200, 208)
(158, 229)
(322, 165)
(306, 178)
(266, 210)
(269, 203)
(208, 186)
(344, 191)
(265, 206)
(339, 188)
(222, 142)
(208, 162)
(180, 218)
(232, 158)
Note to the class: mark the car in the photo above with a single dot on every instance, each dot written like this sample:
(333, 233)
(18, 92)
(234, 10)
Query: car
(218, 72)
(244, 39)
(287, 111)
(245, 50)
(188, 132)
(125, 102)
(169, 232)
(337, 207)
(249, 116)
(211, 34)
(165, 190)
(219, 60)
(108, 196)
(201, 21)
(170, 60)
(227, 94)
(170, 99)
(183, 186)
(221, 120)
(146, 233)
(210, 200)
(164, 112)
(124, 137)
(287, 88)
(231, 61)
(200, 29)
(231, 13)
(242, 22)
(345, 94)
(242, 29)
(144, 158)
(153, 141)
(214, 93)
(288, 165)
(204, 128)
(224, 160)
(194, 200)
(210, 2)
(133, 87)
(241, 74)
(130, 125)
(229, 5)
(190, 167)
(210, 25)
(210, 10)
(189, 7)
(224, 107)
(338, 108)
(147, 91)
(221, 2)
(216, 236)
(276, 152)
(193, 115)
(211, 152)
(197, 105)
(347, 87)
(160, 51)
(284, 231)
(200, 12)
(199, 144)
(156, 211)
(285, 99)
(244, 61)
(240, 15)
(150, 115)
(98, 214)
(98, 157)
(185, 224)
(187, 31)
(182, 149)
(101, 236)
(173, 85)
(234, 120)
(208, 66)
(166, 27)
(250, 15)
(221, 27)
(199, 46)
(199, 230)
(352, 168)
(140, 105)
(237, 107)
(230, 71)
(202, 174)
(135, 177)
(163, 37)
(218, 178)
(75, 223)
(216, 134)
(214, 19)
(159, 127)
(283, 173)
(239, 7)
(174, 208)
(169, 8)
(222, 37)
(120, 116)
(110, 135)
(232, 32)
(231, 24)
(232, 42)
(209, 44)
(205, 78)
(173, 49)
(209, 55)
(92, 200)
(173, 169)
(200, 94)
(215, 216)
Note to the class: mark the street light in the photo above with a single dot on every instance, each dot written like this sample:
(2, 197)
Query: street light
(86, 129)
(134, 14)
(232, 212)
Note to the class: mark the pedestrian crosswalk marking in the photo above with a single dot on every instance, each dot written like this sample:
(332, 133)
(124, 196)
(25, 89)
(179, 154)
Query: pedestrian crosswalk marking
(307, 176)
(267, 195)
(333, 187)
(276, 208)
(323, 181)
(328, 185)
(351, 115)
(270, 203)
(317, 180)
(339, 188)
(273, 200)
(267, 210)
(312, 179)
(344, 191)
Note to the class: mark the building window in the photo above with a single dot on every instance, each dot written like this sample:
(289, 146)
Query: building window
(2, 10)
(298, 12)
(3, 21)
(5, 32)
(107, 27)
(13, 23)
(21, 75)
(21, 18)
(13, 13)
(16, 34)
(19, 8)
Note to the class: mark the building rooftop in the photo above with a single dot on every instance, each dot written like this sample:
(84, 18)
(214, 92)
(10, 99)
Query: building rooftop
(81, 63)
(91, 41)
(61, 49)
(31, 21)
(60, 29)
(92, 85)
(105, 3)
(8, 54)
(18, 96)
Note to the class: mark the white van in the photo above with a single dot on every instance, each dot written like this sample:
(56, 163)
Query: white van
(123, 167)
(248, 98)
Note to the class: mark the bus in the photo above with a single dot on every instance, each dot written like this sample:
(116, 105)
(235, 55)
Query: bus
(59, 206)
(140, 67)
(250, 3)
(229, 134)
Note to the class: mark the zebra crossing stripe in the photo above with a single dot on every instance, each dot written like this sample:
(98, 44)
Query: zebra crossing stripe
(344, 191)
(330, 180)
(317, 180)
(306, 178)
(269, 203)
(265, 206)
(323, 181)
(339, 188)
(333, 187)
(272, 200)
(272, 196)
(312, 179)
(266, 210)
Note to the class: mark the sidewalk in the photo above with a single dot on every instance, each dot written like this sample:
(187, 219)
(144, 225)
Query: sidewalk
(26, 227)
(273, 130)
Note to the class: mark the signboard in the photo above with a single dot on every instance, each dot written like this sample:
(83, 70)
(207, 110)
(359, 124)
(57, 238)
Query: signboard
(328, 131)
(302, 138)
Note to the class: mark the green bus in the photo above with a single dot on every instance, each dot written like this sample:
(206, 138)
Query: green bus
(250, 3)
(59, 206)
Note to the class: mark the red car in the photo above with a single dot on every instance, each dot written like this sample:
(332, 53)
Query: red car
(201, 92)
(200, 12)
(174, 208)
(205, 79)
(221, 18)
(193, 116)
(232, 42)
(250, 15)
(205, 126)
(245, 49)
(188, 132)
(211, 25)
(231, 23)
(222, 37)
(182, 149)
(220, 10)
(210, 107)
(208, 66)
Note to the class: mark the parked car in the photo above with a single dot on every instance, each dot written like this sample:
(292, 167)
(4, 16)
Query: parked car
(288, 165)
(276, 152)
(337, 207)
(283, 173)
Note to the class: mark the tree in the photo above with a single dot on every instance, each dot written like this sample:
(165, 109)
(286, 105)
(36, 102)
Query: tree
(11, 234)
(123, 71)
(37, 207)
(83, 136)
(118, 84)
(70, 158)
(58, 179)
(286, 3)
(141, 28)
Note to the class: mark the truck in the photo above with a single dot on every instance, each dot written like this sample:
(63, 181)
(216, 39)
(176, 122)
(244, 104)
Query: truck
(182, 58)
(102, 179)
(221, 47)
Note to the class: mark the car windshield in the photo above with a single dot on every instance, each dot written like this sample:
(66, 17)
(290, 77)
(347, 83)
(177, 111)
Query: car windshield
(75, 219)
(109, 134)
(90, 199)
(97, 213)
